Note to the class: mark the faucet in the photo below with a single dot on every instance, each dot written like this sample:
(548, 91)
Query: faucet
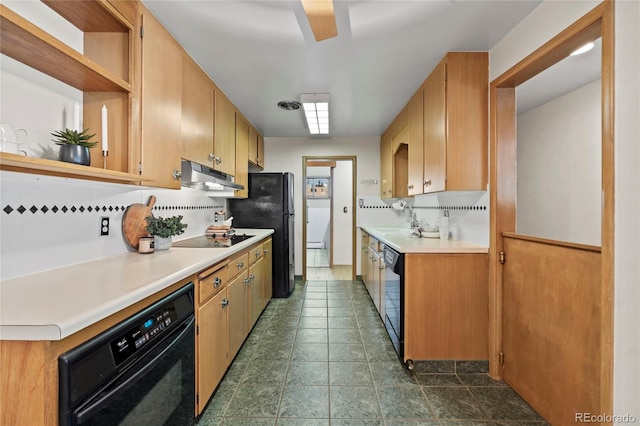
(415, 223)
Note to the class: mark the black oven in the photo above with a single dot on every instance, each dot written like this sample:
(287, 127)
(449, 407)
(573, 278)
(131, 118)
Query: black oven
(394, 298)
(140, 372)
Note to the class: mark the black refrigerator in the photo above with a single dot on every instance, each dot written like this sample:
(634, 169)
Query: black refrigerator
(270, 205)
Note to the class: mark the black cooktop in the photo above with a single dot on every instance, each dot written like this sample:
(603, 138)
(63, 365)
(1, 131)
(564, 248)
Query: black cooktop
(204, 241)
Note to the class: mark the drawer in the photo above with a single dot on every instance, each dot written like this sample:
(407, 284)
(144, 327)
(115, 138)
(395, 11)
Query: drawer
(256, 253)
(238, 264)
(211, 281)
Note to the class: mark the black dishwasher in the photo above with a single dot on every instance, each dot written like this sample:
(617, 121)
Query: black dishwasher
(394, 298)
(140, 372)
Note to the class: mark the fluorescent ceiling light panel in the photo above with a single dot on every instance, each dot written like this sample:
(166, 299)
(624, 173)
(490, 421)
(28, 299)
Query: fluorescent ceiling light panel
(316, 111)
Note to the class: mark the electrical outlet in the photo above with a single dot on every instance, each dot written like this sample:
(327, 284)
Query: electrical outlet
(104, 226)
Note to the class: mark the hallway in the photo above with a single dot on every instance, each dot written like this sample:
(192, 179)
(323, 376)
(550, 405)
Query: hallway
(322, 357)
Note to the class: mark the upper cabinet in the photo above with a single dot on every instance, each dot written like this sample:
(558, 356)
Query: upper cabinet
(256, 148)
(455, 123)
(439, 139)
(104, 72)
(161, 103)
(415, 146)
(224, 141)
(243, 133)
(386, 169)
(197, 113)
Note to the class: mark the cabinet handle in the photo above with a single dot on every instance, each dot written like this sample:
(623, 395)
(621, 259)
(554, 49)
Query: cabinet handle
(240, 265)
(265, 250)
(225, 303)
(211, 157)
(246, 280)
(257, 253)
(177, 174)
(218, 160)
(216, 282)
(409, 186)
(427, 182)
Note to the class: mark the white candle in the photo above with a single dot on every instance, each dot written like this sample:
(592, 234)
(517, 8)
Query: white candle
(76, 117)
(105, 129)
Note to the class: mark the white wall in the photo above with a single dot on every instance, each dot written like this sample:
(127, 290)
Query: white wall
(543, 23)
(559, 161)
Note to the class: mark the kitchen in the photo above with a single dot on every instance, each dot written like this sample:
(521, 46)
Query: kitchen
(28, 245)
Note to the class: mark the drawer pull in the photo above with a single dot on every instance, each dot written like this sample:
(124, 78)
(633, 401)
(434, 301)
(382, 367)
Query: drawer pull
(240, 265)
(265, 250)
(257, 253)
(216, 282)
(225, 303)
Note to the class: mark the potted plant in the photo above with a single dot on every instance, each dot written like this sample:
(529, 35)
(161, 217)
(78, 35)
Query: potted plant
(74, 146)
(163, 229)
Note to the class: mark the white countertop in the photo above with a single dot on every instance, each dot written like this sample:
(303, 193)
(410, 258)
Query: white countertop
(401, 240)
(54, 304)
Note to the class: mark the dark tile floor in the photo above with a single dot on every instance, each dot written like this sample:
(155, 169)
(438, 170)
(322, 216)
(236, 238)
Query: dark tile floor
(322, 357)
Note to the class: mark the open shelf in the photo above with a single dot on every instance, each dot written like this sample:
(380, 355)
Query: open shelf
(20, 163)
(34, 47)
(91, 16)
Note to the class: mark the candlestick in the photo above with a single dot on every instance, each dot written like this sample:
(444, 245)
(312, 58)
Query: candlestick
(105, 129)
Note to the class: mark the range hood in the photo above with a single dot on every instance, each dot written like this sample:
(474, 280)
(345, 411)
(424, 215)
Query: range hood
(198, 176)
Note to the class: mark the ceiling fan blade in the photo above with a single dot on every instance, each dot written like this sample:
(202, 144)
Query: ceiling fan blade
(321, 18)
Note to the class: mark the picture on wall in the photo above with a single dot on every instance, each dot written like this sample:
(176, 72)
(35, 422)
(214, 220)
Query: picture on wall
(318, 187)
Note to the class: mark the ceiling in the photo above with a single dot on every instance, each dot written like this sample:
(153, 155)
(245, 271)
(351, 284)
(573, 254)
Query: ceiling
(261, 52)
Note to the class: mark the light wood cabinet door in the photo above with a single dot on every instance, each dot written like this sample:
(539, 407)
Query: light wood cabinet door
(256, 290)
(211, 347)
(400, 165)
(224, 140)
(364, 256)
(446, 306)
(242, 156)
(268, 272)
(416, 143)
(260, 151)
(197, 113)
(455, 124)
(161, 104)
(435, 130)
(386, 169)
(237, 330)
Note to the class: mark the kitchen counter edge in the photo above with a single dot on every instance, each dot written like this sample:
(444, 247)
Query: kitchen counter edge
(94, 290)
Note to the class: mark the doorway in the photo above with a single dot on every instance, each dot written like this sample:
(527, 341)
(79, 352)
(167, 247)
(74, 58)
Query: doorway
(551, 289)
(329, 220)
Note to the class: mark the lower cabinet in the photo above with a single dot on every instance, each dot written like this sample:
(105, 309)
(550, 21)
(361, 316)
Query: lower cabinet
(238, 296)
(212, 349)
(268, 272)
(446, 306)
(231, 296)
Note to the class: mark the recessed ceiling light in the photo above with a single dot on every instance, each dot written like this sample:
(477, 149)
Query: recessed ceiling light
(584, 49)
(289, 105)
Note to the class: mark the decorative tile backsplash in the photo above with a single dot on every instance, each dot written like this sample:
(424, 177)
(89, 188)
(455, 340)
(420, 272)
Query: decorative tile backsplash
(47, 222)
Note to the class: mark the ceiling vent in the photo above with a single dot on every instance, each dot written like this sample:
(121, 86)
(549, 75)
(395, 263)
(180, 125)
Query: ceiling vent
(289, 105)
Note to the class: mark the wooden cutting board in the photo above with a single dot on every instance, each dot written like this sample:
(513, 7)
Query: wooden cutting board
(134, 225)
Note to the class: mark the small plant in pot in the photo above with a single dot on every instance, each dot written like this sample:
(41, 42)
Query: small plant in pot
(163, 229)
(74, 146)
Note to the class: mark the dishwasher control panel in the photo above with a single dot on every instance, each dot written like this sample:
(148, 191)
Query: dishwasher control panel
(142, 333)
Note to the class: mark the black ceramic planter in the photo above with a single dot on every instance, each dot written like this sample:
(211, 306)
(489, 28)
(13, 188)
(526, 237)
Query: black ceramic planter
(75, 154)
